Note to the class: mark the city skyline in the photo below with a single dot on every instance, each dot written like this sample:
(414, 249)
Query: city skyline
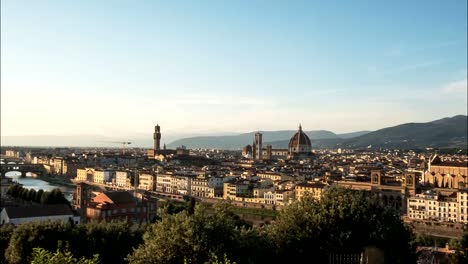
(207, 68)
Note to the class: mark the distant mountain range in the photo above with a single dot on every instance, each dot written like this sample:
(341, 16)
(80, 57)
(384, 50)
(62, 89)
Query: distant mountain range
(239, 141)
(444, 133)
(450, 132)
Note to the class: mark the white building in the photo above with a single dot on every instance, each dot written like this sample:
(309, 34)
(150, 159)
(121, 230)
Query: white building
(182, 184)
(462, 198)
(121, 178)
(199, 187)
(430, 206)
(164, 183)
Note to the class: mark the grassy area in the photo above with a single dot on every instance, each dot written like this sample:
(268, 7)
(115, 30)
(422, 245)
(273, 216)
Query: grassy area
(57, 180)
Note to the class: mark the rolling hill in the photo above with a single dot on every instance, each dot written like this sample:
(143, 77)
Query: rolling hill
(241, 140)
(450, 132)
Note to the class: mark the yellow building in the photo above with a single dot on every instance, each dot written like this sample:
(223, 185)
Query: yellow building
(313, 189)
(85, 174)
(147, 181)
(102, 176)
(232, 190)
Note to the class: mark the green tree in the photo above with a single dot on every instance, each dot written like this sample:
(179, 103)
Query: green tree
(24, 194)
(192, 238)
(14, 190)
(42, 256)
(25, 237)
(191, 206)
(461, 247)
(98, 237)
(45, 198)
(85, 240)
(32, 195)
(343, 221)
(57, 197)
(5, 234)
(39, 193)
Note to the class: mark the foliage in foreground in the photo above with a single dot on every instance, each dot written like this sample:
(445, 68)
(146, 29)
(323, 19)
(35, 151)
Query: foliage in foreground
(344, 221)
(194, 238)
(42, 256)
(112, 241)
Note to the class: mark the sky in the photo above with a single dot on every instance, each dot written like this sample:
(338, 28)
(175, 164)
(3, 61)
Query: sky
(208, 67)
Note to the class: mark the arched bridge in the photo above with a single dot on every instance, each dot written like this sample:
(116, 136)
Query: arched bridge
(23, 168)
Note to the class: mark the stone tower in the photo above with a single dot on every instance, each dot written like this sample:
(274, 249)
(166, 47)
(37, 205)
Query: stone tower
(258, 146)
(157, 138)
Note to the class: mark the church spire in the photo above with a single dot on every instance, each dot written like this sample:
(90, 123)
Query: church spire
(300, 127)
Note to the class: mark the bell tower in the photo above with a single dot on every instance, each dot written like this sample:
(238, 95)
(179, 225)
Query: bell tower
(258, 146)
(157, 138)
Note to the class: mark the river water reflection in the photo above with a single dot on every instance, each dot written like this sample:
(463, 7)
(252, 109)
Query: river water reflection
(29, 182)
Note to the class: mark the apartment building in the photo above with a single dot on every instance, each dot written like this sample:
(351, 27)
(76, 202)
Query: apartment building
(122, 179)
(85, 174)
(103, 176)
(314, 189)
(200, 187)
(164, 183)
(147, 181)
(433, 206)
(235, 189)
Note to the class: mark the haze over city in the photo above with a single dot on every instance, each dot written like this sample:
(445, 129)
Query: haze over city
(219, 132)
(214, 67)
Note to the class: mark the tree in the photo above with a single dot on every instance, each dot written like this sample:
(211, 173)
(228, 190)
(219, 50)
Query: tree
(461, 247)
(45, 198)
(39, 193)
(98, 237)
(343, 221)
(14, 190)
(57, 197)
(32, 195)
(85, 240)
(27, 236)
(42, 256)
(191, 238)
(191, 206)
(24, 194)
(5, 234)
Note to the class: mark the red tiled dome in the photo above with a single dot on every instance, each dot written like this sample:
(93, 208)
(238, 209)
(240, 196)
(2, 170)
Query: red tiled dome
(300, 142)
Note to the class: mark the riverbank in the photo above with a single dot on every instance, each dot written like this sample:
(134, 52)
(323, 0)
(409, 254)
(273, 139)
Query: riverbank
(57, 180)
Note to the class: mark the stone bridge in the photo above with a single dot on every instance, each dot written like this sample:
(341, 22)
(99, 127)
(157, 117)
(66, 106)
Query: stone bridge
(23, 168)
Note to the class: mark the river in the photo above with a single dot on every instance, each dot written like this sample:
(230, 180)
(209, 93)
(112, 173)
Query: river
(30, 182)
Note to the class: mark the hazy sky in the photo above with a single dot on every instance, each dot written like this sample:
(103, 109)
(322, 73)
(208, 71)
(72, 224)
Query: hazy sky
(118, 67)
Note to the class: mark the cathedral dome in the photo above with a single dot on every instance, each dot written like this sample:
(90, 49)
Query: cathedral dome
(300, 142)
